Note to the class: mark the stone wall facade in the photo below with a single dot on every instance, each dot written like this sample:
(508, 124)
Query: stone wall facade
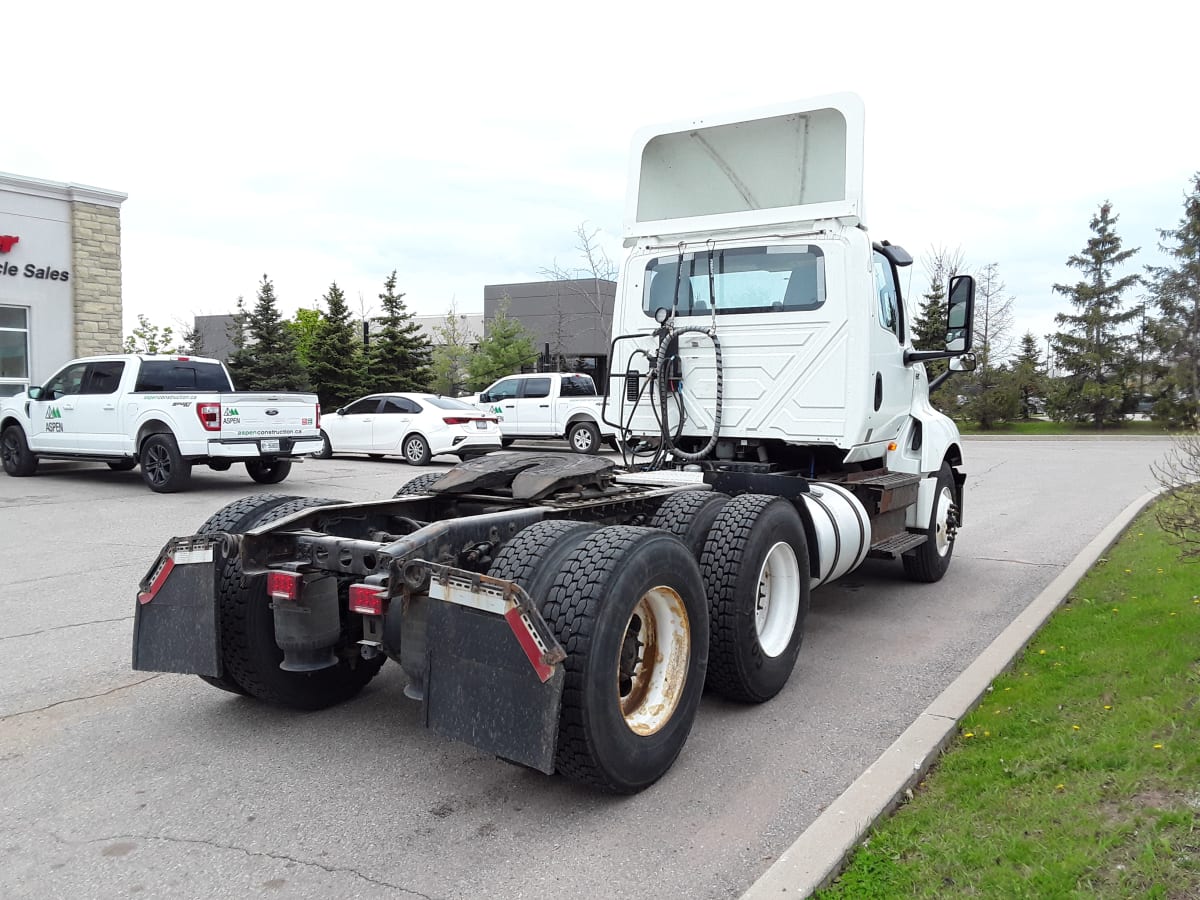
(96, 261)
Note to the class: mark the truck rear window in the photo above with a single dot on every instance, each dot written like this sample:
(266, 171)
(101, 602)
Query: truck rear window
(181, 375)
(577, 386)
(747, 280)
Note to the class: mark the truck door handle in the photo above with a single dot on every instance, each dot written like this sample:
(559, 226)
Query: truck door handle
(110, 406)
(68, 406)
(510, 406)
(543, 406)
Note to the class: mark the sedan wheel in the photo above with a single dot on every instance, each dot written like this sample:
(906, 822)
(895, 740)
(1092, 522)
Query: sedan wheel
(416, 450)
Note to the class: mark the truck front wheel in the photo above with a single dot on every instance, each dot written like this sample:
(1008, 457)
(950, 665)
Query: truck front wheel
(163, 469)
(628, 606)
(930, 561)
(584, 437)
(268, 471)
(18, 459)
(755, 569)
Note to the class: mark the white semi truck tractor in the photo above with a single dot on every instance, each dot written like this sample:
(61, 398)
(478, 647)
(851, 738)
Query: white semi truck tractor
(566, 612)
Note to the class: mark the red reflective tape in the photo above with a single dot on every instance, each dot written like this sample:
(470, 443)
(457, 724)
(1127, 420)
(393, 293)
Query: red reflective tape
(159, 579)
(525, 638)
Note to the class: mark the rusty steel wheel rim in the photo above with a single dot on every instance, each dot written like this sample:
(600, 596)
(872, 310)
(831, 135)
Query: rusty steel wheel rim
(653, 660)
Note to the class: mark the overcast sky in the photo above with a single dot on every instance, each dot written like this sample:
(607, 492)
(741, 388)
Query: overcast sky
(461, 144)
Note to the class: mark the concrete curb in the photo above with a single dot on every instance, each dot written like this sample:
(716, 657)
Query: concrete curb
(819, 853)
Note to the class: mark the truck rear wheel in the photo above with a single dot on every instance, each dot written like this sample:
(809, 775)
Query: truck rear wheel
(163, 469)
(236, 518)
(533, 557)
(268, 471)
(755, 569)
(689, 515)
(249, 653)
(584, 437)
(929, 562)
(628, 606)
(18, 459)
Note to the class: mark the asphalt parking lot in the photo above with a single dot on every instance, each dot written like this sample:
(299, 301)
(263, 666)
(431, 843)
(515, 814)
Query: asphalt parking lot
(117, 783)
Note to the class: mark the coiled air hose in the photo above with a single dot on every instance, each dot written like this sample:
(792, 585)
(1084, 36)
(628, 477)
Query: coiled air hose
(662, 374)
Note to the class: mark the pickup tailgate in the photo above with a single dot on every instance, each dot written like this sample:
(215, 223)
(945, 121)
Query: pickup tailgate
(267, 417)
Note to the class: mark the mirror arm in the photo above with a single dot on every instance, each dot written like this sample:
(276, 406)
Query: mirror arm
(916, 356)
(940, 380)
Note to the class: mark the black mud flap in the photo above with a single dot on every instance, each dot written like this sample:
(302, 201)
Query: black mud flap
(481, 689)
(175, 622)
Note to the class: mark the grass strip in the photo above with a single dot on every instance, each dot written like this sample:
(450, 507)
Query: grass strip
(1078, 774)
(1038, 427)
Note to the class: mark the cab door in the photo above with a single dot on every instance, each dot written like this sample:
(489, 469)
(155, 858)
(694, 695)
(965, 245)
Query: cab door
(52, 420)
(891, 386)
(96, 418)
(501, 402)
(535, 409)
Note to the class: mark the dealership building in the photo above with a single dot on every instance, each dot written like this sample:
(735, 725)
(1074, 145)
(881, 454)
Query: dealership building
(60, 276)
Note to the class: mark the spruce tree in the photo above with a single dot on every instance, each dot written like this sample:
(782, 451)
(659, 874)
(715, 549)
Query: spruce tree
(335, 357)
(1175, 290)
(1091, 347)
(929, 327)
(1029, 377)
(399, 357)
(265, 356)
(506, 348)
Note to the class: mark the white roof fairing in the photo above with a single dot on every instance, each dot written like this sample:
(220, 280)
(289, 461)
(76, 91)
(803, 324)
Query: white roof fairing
(795, 162)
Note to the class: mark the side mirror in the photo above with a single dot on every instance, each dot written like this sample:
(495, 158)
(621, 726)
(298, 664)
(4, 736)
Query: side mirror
(964, 363)
(485, 397)
(960, 314)
(35, 393)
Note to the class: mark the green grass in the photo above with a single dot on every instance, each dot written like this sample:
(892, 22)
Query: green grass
(1078, 775)
(1040, 426)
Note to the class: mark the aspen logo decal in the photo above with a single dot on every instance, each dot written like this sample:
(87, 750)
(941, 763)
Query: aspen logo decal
(231, 417)
(53, 413)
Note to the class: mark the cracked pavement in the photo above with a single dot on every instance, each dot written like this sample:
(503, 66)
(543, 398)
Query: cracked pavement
(118, 784)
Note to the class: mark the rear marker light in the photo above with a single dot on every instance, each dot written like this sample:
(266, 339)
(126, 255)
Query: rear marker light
(366, 599)
(283, 585)
(456, 420)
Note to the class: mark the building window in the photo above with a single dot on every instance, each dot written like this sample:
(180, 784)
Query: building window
(14, 350)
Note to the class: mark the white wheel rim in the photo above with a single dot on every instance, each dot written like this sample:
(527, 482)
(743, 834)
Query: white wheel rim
(941, 522)
(414, 449)
(778, 602)
(582, 439)
(652, 661)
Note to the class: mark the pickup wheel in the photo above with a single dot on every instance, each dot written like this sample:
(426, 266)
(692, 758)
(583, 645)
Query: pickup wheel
(235, 518)
(929, 562)
(18, 459)
(416, 450)
(755, 569)
(268, 471)
(628, 606)
(163, 469)
(123, 465)
(418, 485)
(326, 451)
(250, 655)
(689, 515)
(584, 437)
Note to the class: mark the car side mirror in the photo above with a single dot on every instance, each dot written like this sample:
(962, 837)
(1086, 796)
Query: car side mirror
(485, 397)
(964, 363)
(35, 393)
(960, 314)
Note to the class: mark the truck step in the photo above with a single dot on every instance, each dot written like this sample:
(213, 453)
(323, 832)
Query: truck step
(892, 547)
(891, 481)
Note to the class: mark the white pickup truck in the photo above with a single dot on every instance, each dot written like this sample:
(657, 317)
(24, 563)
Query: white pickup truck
(548, 406)
(166, 413)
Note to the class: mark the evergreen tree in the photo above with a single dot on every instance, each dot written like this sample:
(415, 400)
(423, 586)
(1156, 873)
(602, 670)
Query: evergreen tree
(335, 356)
(1090, 347)
(1175, 290)
(399, 357)
(1029, 377)
(506, 348)
(264, 356)
(452, 351)
(929, 326)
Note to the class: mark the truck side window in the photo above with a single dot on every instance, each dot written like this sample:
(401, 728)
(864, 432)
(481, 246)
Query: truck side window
(67, 382)
(889, 296)
(104, 377)
(505, 390)
(537, 387)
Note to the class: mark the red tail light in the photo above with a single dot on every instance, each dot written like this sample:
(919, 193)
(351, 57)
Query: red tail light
(456, 420)
(283, 585)
(318, 415)
(366, 599)
(210, 415)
